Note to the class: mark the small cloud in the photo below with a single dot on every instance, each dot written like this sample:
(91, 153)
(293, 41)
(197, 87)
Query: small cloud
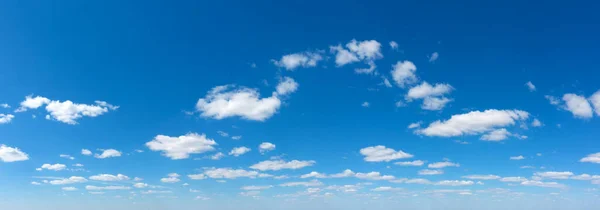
(530, 86)
(365, 104)
(434, 56)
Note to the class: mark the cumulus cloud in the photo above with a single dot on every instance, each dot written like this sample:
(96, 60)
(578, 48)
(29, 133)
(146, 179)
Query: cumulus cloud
(430, 172)
(67, 156)
(237, 151)
(225, 173)
(5, 105)
(86, 152)
(254, 188)
(411, 163)
(69, 188)
(543, 184)
(6, 118)
(586, 177)
(595, 101)
(385, 189)
(276, 165)
(365, 104)
(425, 90)
(96, 188)
(67, 111)
(415, 125)
(473, 123)
(443, 164)
(553, 100)
(108, 153)
(171, 178)
(266, 147)
(12, 154)
(31, 102)
(374, 176)
(591, 158)
(496, 135)
(217, 156)
(530, 86)
(181, 147)
(554, 174)
(313, 174)
(381, 153)
(482, 177)
(435, 103)
(520, 157)
(53, 167)
(454, 183)
(403, 73)
(577, 105)
(513, 179)
(312, 183)
(536, 123)
(434, 56)
(140, 185)
(109, 177)
(70, 180)
(286, 86)
(292, 61)
(345, 173)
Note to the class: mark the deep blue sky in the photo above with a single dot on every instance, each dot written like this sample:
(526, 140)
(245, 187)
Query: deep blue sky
(155, 60)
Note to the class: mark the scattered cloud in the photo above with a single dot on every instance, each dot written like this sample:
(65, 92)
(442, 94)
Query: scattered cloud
(430, 172)
(255, 188)
(415, 125)
(411, 163)
(591, 158)
(52, 167)
(171, 178)
(374, 176)
(6, 118)
(5, 105)
(276, 165)
(434, 56)
(381, 153)
(520, 157)
(394, 45)
(266, 147)
(67, 156)
(536, 123)
(403, 73)
(86, 152)
(454, 183)
(530, 86)
(109, 177)
(108, 153)
(312, 183)
(181, 147)
(365, 104)
(223, 133)
(286, 86)
(217, 156)
(69, 189)
(236, 137)
(237, 151)
(554, 174)
(473, 123)
(543, 184)
(304, 59)
(443, 164)
(577, 105)
(66, 111)
(513, 179)
(12, 154)
(100, 188)
(595, 101)
(482, 177)
(70, 180)
(496, 135)
(385, 189)
(313, 174)
(553, 100)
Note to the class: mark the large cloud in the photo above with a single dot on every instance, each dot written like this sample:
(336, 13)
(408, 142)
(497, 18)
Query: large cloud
(181, 147)
(473, 123)
(381, 153)
(10, 154)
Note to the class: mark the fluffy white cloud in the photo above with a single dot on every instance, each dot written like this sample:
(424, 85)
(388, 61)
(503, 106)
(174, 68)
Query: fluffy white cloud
(313, 174)
(96, 188)
(595, 101)
(11, 154)
(237, 151)
(181, 147)
(86, 152)
(542, 184)
(591, 158)
(223, 102)
(553, 100)
(520, 157)
(265, 147)
(365, 104)
(5, 105)
(443, 164)
(36, 183)
(217, 156)
(415, 125)
(435, 103)
(578, 105)
(369, 70)
(286, 86)
(366, 50)
(108, 153)
(254, 188)
(53, 167)
(472, 123)
(454, 183)
(430, 172)
(411, 163)
(68, 112)
(393, 45)
(425, 90)
(536, 123)
(109, 177)
(276, 165)
(434, 56)
(6, 118)
(156, 192)
(70, 180)
(345, 173)
(374, 176)
(67, 156)
(223, 133)
(293, 61)
(32, 103)
(69, 188)
(343, 56)
(140, 185)
(513, 179)
(385, 189)
(228, 173)
(311, 183)
(554, 174)
(197, 176)
(586, 177)
(403, 73)
(171, 178)
(496, 135)
(530, 86)
(236, 137)
(482, 177)
(381, 153)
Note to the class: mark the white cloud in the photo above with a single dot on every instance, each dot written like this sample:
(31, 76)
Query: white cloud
(482, 177)
(96, 188)
(513, 179)
(6, 118)
(137, 179)
(237, 151)
(276, 165)
(312, 183)
(520, 157)
(228, 173)
(223, 102)
(266, 147)
(591, 158)
(496, 135)
(286, 86)
(386, 82)
(86, 152)
(313, 174)
(454, 183)
(536, 123)
(67, 156)
(108, 153)
(443, 164)
(403, 73)
(181, 147)
(53, 167)
(543, 184)
(223, 133)
(68, 112)
(365, 104)
(381, 153)
(586, 177)
(595, 101)
(553, 100)
(171, 178)
(374, 176)
(435, 103)
(254, 188)
(530, 86)
(293, 61)
(430, 172)
(578, 105)
(217, 156)
(156, 192)
(415, 125)
(236, 137)
(411, 163)
(369, 70)
(434, 56)
(32, 103)
(385, 189)
(343, 174)
(36, 183)
(472, 123)
(5, 105)
(554, 174)
(343, 56)
(393, 45)
(140, 185)
(109, 177)
(250, 193)
(12, 154)
(70, 180)
(197, 176)
(69, 188)
(365, 50)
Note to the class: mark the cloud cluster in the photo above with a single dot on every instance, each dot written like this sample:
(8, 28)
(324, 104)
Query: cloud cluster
(66, 111)
(292, 61)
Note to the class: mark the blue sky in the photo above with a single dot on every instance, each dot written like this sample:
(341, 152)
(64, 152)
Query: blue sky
(299, 105)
